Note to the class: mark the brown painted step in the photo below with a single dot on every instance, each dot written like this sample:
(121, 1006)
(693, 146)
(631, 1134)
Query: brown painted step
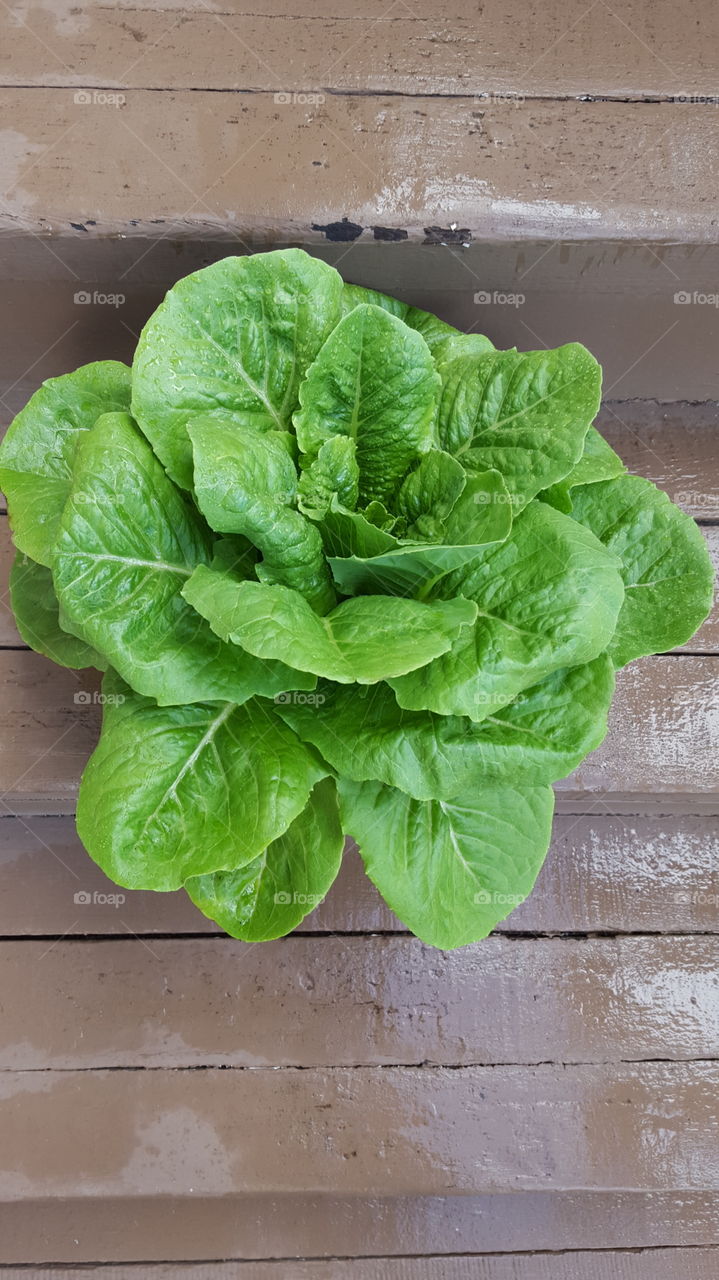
(82, 1229)
(655, 1264)
(356, 1001)
(379, 1131)
(602, 874)
(644, 50)
(218, 162)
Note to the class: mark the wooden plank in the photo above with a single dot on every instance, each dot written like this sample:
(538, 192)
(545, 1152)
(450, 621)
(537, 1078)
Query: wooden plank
(362, 1131)
(654, 1264)
(356, 1001)
(659, 755)
(645, 51)
(660, 752)
(48, 726)
(216, 162)
(602, 874)
(127, 1228)
(675, 445)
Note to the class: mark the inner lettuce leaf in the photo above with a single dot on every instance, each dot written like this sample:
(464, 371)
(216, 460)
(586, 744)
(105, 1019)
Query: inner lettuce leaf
(374, 560)
(374, 380)
(38, 453)
(175, 792)
(128, 543)
(363, 640)
(451, 870)
(269, 896)
(525, 413)
(246, 483)
(347, 569)
(548, 597)
(238, 335)
(539, 737)
(332, 476)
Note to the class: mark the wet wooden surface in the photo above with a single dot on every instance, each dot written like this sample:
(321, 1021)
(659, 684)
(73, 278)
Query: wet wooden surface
(346, 1102)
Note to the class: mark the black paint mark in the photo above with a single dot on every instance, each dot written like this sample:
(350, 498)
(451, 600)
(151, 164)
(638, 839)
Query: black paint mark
(340, 231)
(78, 226)
(389, 233)
(447, 235)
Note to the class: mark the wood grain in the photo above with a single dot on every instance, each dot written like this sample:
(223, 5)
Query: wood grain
(356, 1002)
(606, 875)
(337, 1131)
(655, 1264)
(123, 1228)
(220, 163)
(644, 51)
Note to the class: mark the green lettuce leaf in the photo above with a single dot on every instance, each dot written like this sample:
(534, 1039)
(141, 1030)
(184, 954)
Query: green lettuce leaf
(246, 483)
(428, 494)
(363, 640)
(668, 575)
(374, 380)
(128, 542)
(451, 870)
(435, 332)
(38, 453)
(548, 597)
(333, 474)
(524, 414)
(373, 560)
(451, 348)
(598, 462)
(174, 792)
(268, 897)
(37, 614)
(238, 335)
(540, 737)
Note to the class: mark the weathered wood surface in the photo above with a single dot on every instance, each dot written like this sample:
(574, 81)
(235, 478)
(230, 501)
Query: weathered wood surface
(301, 1226)
(655, 1264)
(218, 163)
(338, 1131)
(602, 875)
(356, 1002)
(642, 50)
